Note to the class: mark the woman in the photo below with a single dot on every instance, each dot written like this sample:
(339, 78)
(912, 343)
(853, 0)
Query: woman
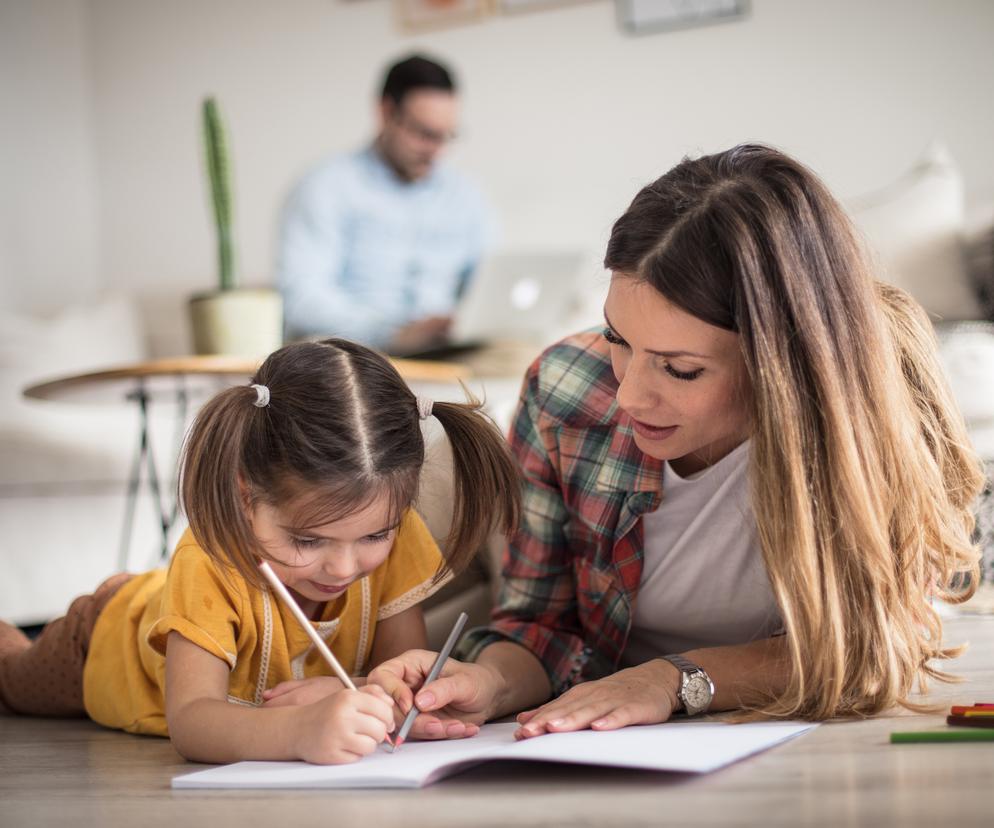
(816, 472)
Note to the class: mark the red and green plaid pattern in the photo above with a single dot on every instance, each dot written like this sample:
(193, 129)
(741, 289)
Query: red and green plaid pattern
(572, 571)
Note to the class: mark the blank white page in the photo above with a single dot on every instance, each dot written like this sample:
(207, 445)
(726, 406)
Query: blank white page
(694, 747)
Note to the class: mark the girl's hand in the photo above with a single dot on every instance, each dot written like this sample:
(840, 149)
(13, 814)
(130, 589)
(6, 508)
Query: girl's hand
(301, 691)
(458, 702)
(646, 694)
(344, 727)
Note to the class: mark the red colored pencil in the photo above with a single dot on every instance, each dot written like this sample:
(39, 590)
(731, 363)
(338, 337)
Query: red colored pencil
(971, 721)
(962, 710)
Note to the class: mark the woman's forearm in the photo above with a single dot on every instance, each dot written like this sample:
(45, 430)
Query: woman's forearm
(743, 674)
(520, 681)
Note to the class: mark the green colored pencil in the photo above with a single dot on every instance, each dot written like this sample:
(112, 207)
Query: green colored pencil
(979, 735)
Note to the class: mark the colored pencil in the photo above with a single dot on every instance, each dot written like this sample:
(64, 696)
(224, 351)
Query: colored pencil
(970, 721)
(980, 735)
(962, 710)
(436, 668)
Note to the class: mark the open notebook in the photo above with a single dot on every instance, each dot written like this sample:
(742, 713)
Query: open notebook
(693, 747)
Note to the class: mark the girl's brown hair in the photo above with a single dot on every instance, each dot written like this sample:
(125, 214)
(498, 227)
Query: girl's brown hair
(341, 428)
(862, 478)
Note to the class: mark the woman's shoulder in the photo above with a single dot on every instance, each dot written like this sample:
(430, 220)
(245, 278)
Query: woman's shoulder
(572, 383)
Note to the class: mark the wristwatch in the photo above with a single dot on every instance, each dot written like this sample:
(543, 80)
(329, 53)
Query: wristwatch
(696, 688)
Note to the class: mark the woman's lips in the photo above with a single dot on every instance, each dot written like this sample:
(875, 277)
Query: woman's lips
(652, 432)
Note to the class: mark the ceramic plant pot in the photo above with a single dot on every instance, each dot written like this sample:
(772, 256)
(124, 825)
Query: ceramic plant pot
(244, 322)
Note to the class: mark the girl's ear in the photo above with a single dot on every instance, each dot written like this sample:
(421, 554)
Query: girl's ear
(245, 494)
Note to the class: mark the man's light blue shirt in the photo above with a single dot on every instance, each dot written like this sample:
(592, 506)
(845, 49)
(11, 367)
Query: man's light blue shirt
(362, 252)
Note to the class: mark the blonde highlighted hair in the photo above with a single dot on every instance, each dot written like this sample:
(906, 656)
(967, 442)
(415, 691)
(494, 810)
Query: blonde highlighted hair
(862, 478)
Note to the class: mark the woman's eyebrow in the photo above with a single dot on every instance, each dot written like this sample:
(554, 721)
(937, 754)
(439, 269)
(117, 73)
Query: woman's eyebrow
(671, 354)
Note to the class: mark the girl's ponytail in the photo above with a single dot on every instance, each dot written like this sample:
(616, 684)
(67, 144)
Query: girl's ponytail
(486, 483)
(210, 489)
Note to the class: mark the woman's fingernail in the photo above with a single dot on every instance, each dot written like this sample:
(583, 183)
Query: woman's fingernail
(599, 723)
(426, 700)
(434, 727)
(557, 723)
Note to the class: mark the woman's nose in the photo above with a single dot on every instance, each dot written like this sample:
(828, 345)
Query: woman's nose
(634, 392)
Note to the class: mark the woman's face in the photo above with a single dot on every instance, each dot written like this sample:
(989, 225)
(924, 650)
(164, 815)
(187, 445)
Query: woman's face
(682, 381)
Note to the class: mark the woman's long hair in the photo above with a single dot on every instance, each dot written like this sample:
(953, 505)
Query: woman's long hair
(862, 478)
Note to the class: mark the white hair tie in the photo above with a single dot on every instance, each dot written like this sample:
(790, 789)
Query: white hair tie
(425, 405)
(261, 396)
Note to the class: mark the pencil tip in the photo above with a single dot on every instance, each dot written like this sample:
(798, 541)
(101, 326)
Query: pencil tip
(397, 743)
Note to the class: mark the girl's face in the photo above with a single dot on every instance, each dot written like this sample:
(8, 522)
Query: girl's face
(682, 381)
(319, 563)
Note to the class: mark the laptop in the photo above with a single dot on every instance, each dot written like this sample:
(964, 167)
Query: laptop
(519, 295)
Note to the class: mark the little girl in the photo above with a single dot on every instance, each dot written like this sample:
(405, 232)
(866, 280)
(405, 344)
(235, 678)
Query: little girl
(313, 468)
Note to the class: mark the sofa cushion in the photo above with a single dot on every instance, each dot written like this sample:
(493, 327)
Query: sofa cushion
(46, 442)
(915, 228)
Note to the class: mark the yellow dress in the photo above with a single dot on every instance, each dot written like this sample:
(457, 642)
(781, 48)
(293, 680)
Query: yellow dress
(124, 677)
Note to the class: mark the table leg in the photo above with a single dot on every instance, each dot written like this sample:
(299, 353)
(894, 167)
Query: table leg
(134, 481)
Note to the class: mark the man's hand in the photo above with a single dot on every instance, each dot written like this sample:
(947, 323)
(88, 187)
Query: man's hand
(420, 335)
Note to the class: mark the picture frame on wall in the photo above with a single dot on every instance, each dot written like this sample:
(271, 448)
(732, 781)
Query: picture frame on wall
(519, 6)
(419, 15)
(648, 16)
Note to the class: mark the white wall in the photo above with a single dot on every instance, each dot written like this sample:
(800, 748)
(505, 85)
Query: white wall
(565, 116)
(48, 186)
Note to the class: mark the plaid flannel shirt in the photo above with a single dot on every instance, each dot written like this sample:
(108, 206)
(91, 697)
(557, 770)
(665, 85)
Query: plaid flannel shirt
(571, 573)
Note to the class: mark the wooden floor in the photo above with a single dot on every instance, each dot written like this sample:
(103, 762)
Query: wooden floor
(73, 773)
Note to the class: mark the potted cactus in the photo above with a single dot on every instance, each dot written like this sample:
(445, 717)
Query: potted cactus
(234, 321)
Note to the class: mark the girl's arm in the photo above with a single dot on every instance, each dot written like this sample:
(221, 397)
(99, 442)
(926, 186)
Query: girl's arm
(398, 634)
(205, 727)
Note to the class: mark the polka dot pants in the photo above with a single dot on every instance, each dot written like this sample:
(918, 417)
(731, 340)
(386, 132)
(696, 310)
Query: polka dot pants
(44, 677)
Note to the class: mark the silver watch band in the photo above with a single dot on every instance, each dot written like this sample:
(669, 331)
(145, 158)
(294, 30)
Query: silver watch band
(682, 664)
(688, 670)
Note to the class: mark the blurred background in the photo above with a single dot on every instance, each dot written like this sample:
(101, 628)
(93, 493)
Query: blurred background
(565, 115)
(568, 108)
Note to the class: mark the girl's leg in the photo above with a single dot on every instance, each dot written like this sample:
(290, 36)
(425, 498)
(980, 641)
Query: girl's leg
(44, 677)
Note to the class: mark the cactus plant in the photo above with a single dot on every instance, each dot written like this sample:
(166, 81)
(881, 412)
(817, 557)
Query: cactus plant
(219, 174)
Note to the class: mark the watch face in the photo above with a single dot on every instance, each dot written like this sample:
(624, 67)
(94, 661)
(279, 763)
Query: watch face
(697, 692)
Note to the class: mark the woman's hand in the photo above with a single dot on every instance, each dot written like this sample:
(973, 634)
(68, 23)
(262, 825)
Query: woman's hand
(452, 707)
(302, 691)
(646, 694)
(343, 727)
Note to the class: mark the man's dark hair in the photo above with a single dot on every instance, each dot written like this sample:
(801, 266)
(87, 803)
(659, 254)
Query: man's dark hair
(416, 72)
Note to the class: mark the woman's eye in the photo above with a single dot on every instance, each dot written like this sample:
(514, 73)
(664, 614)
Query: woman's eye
(613, 338)
(377, 538)
(686, 376)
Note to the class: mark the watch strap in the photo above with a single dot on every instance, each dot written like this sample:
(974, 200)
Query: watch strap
(687, 668)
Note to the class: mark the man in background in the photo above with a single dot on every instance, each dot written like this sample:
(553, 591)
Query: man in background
(377, 245)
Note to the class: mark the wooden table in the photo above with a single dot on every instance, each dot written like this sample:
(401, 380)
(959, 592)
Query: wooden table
(842, 774)
(181, 379)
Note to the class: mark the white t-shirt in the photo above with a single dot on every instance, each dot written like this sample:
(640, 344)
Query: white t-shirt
(704, 583)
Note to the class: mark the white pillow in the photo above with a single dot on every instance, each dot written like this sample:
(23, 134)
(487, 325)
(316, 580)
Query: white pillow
(51, 441)
(915, 228)
(967, 354)
(76, 339)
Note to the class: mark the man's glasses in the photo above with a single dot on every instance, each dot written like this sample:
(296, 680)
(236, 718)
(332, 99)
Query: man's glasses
(422, 132)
